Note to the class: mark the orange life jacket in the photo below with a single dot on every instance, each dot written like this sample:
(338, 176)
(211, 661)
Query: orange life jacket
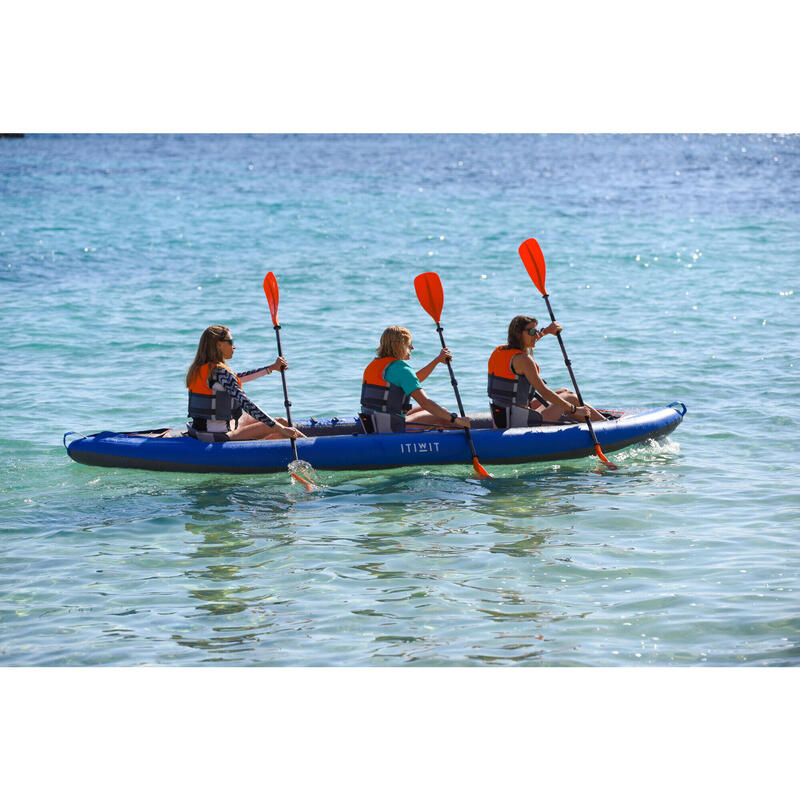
(506, 388)
(378, 394)
(206, 403)
(384, 403)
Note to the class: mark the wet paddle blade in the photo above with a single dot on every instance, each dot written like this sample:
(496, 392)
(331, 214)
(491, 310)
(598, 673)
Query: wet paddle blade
(430, 294)
(482, 473)
(271, 291)
(602, 457)
(309, 486)
(533, 259)
(296, 468)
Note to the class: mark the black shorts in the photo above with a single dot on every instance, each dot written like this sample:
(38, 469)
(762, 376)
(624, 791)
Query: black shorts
(500, 417)
(382, 422)
(205, 436)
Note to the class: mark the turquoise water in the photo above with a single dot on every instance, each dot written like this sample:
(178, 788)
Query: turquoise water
(672, 264)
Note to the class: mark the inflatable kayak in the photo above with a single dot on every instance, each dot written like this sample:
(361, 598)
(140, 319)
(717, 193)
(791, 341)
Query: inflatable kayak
(340, 444)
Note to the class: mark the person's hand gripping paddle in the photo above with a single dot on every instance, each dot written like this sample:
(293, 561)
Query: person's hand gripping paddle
(271, 291)
(533, 259)
(431, 297)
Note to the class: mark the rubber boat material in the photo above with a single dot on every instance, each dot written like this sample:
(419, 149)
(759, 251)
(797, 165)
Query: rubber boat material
(340, 444)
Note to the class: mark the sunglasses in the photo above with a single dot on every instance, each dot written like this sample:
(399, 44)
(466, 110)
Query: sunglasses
(531, 331)
(228, 341)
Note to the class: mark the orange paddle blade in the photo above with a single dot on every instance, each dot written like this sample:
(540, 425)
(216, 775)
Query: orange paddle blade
(482, 473)
(271, 291)
(602, 457)
(533, 259)
(307, 483)
(430, 294)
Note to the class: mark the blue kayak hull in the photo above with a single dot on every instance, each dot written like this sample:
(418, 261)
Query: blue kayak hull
(359, 451)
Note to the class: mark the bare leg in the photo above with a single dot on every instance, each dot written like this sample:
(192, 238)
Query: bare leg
(552, 413)
(418, 416)
(250, 428)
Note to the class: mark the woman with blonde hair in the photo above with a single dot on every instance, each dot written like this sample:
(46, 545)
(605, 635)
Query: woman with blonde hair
(518, 396)
(219, 409)
(389, 383)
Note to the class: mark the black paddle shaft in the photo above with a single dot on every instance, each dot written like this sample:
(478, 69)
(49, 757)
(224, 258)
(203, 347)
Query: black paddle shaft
(564, 351)
(569, 368)
(286, 402)
(458, 394)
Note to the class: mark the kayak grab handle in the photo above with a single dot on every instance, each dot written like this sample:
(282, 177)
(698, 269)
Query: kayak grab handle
(71, 433)
(675, 406)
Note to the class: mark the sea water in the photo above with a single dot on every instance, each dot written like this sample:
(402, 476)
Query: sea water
(671, 264)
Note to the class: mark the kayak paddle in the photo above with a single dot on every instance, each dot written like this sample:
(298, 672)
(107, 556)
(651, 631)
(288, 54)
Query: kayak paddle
(271, 291)
(431, 297)
(533, 259)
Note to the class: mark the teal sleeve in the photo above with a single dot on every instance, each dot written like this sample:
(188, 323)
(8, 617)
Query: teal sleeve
(400, 374)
